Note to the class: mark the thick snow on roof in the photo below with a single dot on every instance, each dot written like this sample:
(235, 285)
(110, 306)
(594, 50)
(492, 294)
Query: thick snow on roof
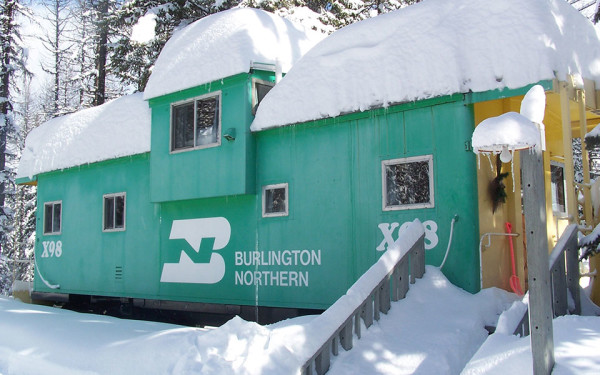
(117, 128)
(225, 44)
(434, 48)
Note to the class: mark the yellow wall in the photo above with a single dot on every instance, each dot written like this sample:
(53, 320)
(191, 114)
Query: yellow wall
(496, 264)
(495, 259)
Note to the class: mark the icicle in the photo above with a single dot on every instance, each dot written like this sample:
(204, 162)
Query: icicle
(512, 168)
(489, 156)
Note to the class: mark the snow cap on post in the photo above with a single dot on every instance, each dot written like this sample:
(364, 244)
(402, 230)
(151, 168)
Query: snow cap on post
(225, 44)
(513, 131)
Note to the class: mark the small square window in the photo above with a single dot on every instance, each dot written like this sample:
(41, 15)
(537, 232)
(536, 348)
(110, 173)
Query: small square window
(558, 188)
(408, 183)
(196, 124)
(260, 89)
(275, 200)
(114, 212)
(52, 217)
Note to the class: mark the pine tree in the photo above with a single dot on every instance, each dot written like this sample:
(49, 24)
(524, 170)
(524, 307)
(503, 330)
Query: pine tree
(132, 60)
(21, 240)
(12, 62)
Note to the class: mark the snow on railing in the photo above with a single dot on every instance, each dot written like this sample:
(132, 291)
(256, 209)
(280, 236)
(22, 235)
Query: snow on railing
(387, 280)
(564, 278)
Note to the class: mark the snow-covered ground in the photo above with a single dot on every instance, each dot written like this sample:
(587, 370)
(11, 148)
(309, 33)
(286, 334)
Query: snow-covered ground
(435, 330)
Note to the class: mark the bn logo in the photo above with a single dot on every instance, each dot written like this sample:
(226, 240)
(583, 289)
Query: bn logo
(203, 269)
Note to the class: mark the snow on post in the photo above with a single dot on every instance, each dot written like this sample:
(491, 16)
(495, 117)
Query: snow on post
(513, 131)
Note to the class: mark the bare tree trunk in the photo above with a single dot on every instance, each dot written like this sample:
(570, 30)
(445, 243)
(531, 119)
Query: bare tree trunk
(101, 52)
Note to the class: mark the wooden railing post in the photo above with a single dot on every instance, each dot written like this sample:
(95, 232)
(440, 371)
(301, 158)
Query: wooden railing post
(384, 295)
(564, 274)
(391, 287)
(559, 287)
(572, 259)
(400, 280)
(323, 361)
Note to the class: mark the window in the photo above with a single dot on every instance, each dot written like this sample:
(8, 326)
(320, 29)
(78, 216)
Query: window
(408, 183)
(196, 123)
(260, 88)
(275, 200)
(52, 217)
(557, 179)
(114, 212)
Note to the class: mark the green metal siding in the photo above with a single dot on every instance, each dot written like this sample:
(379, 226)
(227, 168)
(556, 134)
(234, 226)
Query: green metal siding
(227, 169)
(330, 237)
(90, 257)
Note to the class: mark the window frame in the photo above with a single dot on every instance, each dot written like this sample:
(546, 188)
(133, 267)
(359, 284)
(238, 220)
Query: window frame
(195, 100)
(52, 232)
(564, 191)
(412, 159)
(287, 200)
(114, 195)
(255, 101)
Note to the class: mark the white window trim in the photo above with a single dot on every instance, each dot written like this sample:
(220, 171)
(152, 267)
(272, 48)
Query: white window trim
(559, 213)
(112, 195)
(412, 159)
(44, 223)
(255, 93)
(194, 100)
(264, 202)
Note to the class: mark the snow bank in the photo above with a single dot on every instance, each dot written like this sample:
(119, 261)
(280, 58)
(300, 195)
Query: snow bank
(323, 326)
(435, 330)
(434, 48)
(118, 128)
(225, 44)
(576, 344)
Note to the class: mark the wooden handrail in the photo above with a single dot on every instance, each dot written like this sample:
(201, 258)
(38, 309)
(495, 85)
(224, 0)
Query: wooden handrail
(564, 277)
(392, 274)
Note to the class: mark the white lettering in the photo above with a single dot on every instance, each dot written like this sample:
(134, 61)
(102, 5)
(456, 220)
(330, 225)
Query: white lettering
(303, 278)
(272, 278)
(316, 257)
(286, 258)
(387, 230)
(45, 252)
(239, 280)
(52, 249)
(58, 251)
(302, 258)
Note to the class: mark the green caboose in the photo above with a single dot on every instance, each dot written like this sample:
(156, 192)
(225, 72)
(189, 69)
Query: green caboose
(183, 199)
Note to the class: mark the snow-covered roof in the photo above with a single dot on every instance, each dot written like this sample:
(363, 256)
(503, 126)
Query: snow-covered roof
(225, 44)
(434, 48)
(118, 128)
